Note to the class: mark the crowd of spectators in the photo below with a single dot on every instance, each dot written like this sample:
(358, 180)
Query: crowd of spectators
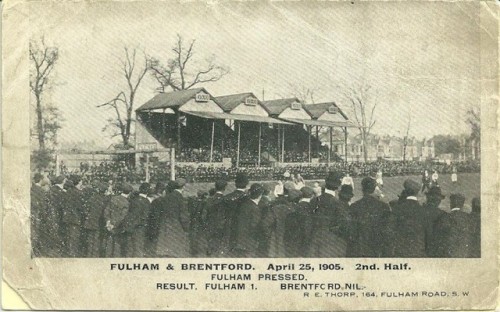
(120, 171)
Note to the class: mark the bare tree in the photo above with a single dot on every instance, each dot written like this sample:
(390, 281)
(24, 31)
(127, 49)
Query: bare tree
(304, 94)
(43, 59)
(363, 106)
(123, 103)
(406, 137)
(177, 74)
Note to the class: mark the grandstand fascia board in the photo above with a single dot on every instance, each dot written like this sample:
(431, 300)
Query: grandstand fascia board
(177, 100)
(230, 103)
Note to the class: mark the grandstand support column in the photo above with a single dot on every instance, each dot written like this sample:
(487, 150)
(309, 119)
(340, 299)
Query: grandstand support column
(212, 141)
(330, 148)
(309, 136)
(178, 130)
(260, 136)
(279, 144)
(283, 144)
(164, 125)
(172, 164)
(317, 139)
(238, 151)
(147, 167)
(345, 143)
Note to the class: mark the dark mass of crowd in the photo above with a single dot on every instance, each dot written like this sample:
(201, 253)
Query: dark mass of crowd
(74, 219)
(119, 171)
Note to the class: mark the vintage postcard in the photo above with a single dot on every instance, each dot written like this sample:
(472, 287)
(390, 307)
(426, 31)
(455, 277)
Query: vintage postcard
(250, 155)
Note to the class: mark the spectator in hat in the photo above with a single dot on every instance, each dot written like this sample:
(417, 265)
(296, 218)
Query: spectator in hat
(476, 227)
(197, 238)
(247, 235)
(135, 222)
(330, 221)
(298, 226)
(72, 211)
(369, 224)
(114, 214)
(346, 194)
(153, 224)
(232, 202)
(267, 224)
(39, 210)
(457, 230)
(282, 207)
(55, 227)
(215, 219)
(433, 213)
(93, 225)
(173, 238)
(408, 224)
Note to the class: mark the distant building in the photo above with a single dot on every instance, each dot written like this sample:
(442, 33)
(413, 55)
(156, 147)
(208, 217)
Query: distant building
(383, 148)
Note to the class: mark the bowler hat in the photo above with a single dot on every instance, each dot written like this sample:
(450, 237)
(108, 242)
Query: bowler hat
(179, 183)
(126, 188)
(144, 188)
(220, 184)
(435, 191)
(241, 180)
(333, 180)
(346, 190)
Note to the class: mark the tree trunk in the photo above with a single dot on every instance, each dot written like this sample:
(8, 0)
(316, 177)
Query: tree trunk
(39, 114)
(365, 151)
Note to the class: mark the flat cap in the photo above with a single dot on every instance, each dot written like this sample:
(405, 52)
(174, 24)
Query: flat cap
(179, 183)
(126, 188)
(307, 192)
(241, 179)
(435, 191)
(59, 179)
(346, 190)
(220, 184)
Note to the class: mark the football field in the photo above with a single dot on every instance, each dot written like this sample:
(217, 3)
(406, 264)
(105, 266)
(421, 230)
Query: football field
(468, 184)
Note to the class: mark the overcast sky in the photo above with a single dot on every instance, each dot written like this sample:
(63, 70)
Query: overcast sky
(420, 58)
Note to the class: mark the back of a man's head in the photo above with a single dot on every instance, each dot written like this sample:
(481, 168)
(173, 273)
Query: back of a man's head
(368, 185)
(37, 178)
(457, 201)
(144, 188)
(476, 205)
(256, 191)
(220, 185)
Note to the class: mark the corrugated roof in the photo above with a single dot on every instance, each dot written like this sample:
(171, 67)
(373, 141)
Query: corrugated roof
(229, 102)
(171, 99)
(316, 110)
(276, 107)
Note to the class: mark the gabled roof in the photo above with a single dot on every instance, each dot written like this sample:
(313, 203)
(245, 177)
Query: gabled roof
(229, 102)
(276, 107)
(316, 110)
(171, 99)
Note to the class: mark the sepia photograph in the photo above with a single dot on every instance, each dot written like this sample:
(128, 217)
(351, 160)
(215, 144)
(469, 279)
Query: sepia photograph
(312, 139)
(300, 146)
